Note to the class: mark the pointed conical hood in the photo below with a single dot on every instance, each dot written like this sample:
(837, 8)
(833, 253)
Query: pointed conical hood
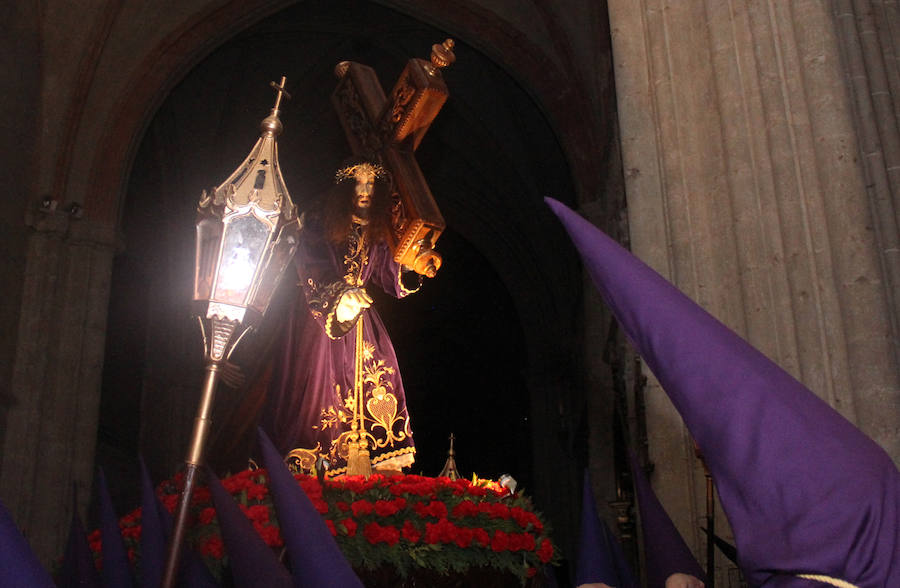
(665, 551)
(316, 558)
(805, 491)
(153, 540)
(19, 567)
(77, 569)
(252, 562)
(600, 556)
(116, 569)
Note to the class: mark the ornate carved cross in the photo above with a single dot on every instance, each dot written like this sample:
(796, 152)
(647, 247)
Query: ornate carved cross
(387, 130)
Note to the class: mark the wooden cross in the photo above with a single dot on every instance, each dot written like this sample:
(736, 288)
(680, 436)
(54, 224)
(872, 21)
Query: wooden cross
(387, 130)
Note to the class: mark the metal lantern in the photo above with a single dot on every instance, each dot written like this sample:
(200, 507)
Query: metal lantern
(247, 233)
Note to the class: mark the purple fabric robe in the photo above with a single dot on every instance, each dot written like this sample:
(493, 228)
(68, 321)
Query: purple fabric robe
(309, 406)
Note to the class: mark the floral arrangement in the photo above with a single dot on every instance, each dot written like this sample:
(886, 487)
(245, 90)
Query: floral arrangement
(405, 523)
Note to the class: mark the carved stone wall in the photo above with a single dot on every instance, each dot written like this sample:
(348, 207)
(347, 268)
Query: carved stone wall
(747, 186)
(55, 388)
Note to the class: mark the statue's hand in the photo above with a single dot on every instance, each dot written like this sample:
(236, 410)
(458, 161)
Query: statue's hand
(352, 302)
(427, 263)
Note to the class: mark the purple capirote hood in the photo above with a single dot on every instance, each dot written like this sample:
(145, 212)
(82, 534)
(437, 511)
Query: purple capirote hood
(805, 491)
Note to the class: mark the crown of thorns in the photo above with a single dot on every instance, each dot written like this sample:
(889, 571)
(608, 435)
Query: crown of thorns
(353, 171)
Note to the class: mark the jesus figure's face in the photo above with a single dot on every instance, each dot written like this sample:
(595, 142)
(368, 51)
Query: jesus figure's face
(365, 184)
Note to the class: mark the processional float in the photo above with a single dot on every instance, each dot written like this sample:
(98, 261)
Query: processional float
(247, 229)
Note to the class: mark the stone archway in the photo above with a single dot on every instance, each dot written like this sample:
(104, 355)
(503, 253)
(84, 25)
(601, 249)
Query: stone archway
(496, 210)
(128, 59)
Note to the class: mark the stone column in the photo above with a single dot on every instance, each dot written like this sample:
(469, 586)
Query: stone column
(48, 444)
(745, 189)
(868, 33)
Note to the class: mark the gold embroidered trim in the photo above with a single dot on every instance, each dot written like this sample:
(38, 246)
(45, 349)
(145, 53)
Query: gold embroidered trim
(301, 460)
(403, 289)
(391, 458)
(357, 257)
(827, 580)
(393, 454)
(330, 320)
(398, 461)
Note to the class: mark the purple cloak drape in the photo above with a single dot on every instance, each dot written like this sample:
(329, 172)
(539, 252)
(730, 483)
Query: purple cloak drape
(309, 405)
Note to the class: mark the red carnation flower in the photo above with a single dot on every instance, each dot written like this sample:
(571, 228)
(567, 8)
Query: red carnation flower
(466, 508)
(482, 537)
(386, 508)
(213, 546)
(545, 552)
(442, 531)
(201, 495)
(271, 535)
(331, 527)
(527, 541)
(207, 515)
(464, 536)
(410, 532)
(415, 485)
(500, 541)
(375, 533)
(257, 492)
(131, 533)
(94, 540)
(258, 513)
(435, 508)
(498, 510)
(311, 487)
(520, 515)
(320, 505)
(361, 508)
(350, 525)
(170, 501)
(131, 518)
(477, 490)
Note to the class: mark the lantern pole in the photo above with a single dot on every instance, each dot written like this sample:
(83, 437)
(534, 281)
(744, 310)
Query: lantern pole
(247, 233)
(194, 458)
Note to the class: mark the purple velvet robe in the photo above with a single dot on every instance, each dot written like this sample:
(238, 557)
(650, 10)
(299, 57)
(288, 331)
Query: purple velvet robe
(310, 399)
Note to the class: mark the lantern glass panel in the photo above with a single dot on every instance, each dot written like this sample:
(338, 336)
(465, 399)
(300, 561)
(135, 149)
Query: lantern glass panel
(243, 245)
(209, 232)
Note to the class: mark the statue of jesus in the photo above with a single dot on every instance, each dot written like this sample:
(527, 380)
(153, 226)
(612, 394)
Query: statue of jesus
(336, 387)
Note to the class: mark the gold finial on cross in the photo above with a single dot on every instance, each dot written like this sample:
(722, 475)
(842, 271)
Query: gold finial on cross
(452, 439)
(442, 54)
(279, 92)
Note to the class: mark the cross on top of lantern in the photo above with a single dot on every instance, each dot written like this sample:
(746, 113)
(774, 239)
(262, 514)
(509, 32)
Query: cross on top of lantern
(387, 131)
(247, 232)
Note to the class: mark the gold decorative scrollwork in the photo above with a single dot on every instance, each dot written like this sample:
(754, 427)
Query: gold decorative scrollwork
(402, 94)
(303, 461)
(357, 257)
